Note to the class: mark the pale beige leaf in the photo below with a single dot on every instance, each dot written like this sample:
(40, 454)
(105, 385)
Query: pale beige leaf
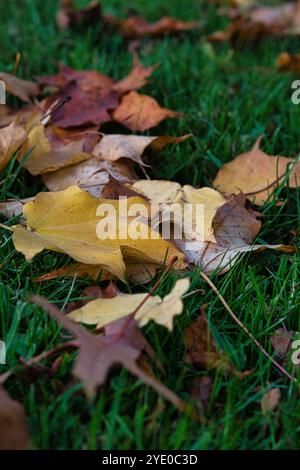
(113, 147)
(92, 175)
(101, 312)
(168, 193)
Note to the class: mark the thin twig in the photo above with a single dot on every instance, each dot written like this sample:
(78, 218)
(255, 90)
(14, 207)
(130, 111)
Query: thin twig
(245, 329)
(252, 193)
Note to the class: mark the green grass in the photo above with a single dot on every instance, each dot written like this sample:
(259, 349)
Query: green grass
(229, 96)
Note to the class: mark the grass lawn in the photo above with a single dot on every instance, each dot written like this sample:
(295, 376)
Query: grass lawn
(229, 97)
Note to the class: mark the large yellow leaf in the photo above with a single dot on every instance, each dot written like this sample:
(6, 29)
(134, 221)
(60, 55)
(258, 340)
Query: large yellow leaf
(103, 311)
(67, 222)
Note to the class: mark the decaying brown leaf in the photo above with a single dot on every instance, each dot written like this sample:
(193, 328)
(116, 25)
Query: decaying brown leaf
(69, 17)
(89, 81)
(122, 344)
(201, 391)
(14, 434)
(138, 27)
(282, 341)
(23, 89)
(132, 27)
(270, 401)
(90, 96)
(258, 22)
(287, 62)
(84, 107)
(141, 112)
(200, 347)
(11, 138)
(256, 174)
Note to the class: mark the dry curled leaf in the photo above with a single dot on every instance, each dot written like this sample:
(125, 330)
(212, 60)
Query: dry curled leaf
(14, 434)
(141, 112)
(101, 312)
(122, 344)
(67, 222)
(256, 174)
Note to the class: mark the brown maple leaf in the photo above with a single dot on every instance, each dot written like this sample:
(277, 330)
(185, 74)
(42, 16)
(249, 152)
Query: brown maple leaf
(69, 17)
(138, 27)
(254, 23)
(141, 112)
(122, 344)
(14, 434)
